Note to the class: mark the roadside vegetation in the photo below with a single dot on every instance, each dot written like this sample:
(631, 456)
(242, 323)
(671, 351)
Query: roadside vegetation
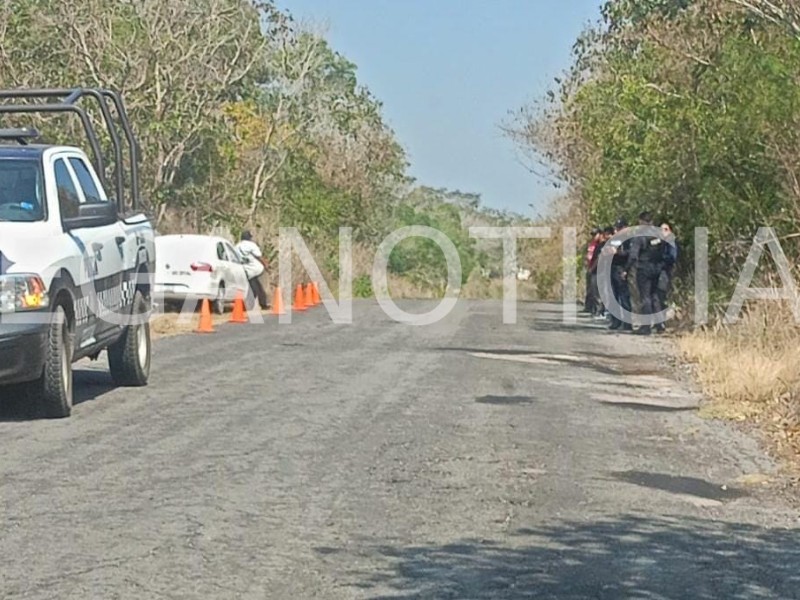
(691, 109)
(246, 119)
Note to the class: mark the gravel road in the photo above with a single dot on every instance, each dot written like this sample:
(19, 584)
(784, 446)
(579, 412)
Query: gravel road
(467, 459)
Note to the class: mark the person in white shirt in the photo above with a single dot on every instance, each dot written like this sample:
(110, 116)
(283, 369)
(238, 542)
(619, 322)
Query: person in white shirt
(255, 265)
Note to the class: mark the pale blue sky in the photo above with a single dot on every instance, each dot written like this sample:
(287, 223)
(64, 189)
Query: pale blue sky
(448, 72)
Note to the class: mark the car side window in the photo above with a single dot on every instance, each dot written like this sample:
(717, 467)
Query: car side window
(233, 256)
(68, 198)
(86, 181)
(221, 251)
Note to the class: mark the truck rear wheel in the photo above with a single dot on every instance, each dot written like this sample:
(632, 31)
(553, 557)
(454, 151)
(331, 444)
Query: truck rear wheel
(129, 356)
(52, 392)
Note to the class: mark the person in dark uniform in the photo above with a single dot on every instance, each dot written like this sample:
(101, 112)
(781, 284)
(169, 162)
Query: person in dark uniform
(619, 263)
(646, 260)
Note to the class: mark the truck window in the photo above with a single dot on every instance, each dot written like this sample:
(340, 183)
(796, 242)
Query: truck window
(85, 180)
(221, 252)
(21, 190)
(68, 198)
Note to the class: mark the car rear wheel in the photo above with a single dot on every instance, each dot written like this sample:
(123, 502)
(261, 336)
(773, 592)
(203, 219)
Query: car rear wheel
(129, 356)
(52, 392)
(219, 301)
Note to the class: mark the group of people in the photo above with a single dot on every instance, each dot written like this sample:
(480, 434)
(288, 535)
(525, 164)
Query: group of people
(642, 269)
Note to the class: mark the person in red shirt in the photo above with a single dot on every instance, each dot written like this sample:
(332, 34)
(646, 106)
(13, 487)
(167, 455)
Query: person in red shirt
(603, 237)
(590, 304)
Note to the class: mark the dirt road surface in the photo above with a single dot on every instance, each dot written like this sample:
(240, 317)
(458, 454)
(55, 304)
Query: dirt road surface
(467, 459)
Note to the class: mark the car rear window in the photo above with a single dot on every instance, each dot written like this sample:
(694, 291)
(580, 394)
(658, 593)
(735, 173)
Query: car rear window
(184, 248)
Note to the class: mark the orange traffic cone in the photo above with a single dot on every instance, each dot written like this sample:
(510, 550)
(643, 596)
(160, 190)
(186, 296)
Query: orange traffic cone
(309, 297)
(277, 303)
(206, 323)
(315, 289)
(238, 315)
(299, 300)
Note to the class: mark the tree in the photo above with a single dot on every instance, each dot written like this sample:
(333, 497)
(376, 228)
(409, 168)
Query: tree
(689, 109)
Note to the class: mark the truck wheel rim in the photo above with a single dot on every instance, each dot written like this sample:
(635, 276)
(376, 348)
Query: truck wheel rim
(141, 344)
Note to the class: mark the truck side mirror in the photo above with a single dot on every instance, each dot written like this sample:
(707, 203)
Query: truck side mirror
(92, 214)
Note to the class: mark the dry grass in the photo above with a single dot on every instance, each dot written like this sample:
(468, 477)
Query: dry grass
(481, 288)
(753, 361)
(172, 324)
(751, 371)
(404, 288)
(476, 288)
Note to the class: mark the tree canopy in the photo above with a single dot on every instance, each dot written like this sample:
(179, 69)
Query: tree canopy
(242, 114)
(687, 108)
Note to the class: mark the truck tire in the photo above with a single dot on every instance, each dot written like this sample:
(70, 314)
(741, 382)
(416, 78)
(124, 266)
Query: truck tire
(129, 356)
(52, 392)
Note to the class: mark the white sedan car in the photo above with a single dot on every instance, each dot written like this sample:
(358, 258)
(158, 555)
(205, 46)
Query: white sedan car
(193, 267)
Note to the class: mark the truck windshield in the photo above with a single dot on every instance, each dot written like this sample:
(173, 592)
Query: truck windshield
(21, 190)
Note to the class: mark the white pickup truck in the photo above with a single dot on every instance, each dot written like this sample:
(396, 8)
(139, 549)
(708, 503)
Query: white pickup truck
(75, 263)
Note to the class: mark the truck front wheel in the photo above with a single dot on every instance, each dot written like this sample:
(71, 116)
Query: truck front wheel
(53, 390)
(129, 356)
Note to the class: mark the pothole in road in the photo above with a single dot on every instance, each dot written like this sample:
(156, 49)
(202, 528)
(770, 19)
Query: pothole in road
(504, 400)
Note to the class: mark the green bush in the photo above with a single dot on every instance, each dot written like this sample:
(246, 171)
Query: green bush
(362, 287)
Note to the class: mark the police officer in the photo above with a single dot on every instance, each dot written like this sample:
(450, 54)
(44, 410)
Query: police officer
(646, 260)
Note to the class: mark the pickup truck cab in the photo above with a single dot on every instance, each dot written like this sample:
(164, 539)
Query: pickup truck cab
(74, 274)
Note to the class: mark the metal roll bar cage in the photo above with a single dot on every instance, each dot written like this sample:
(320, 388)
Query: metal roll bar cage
(66, 101)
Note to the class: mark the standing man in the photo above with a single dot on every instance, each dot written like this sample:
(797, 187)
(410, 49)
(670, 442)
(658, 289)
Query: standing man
(646, 260)
(255, 265)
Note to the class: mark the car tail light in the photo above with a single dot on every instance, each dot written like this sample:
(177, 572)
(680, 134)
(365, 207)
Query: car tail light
(202, 267)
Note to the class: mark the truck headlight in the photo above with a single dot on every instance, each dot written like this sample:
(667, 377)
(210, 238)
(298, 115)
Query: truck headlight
(22, 292)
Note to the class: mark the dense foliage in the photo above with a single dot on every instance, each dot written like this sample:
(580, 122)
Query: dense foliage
(246, 119)
(688, 108)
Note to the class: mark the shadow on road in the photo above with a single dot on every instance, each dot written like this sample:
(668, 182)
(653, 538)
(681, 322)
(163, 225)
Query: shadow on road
(626, 557)
(679, 485)
(88, 385)
(560, 326)
(504, 400)
(91, 385)
(641, 406)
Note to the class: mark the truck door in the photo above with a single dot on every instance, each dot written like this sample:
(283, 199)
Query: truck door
(102, 248)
